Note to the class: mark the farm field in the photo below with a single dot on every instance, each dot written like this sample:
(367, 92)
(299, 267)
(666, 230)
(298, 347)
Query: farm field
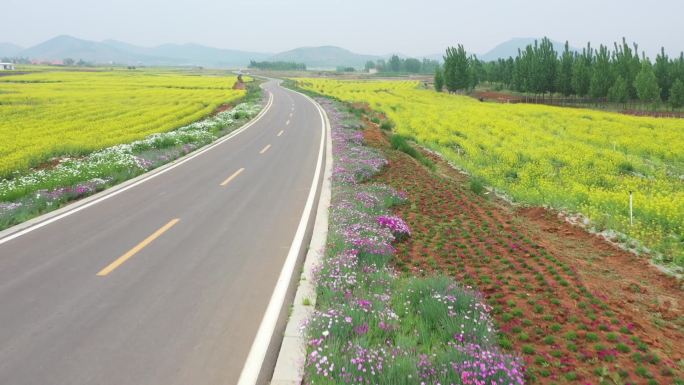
(48, 114)
(576, 160)
(577, 309)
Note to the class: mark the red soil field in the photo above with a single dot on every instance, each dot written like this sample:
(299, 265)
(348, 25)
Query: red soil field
(578, 309)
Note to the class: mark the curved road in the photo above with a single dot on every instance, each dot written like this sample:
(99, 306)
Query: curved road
(166, 282)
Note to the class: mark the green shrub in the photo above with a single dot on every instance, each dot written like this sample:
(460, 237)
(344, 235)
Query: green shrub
(476, 185)
(386, 125)
(401, 143)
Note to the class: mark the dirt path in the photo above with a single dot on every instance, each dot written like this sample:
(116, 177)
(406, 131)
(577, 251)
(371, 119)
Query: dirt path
(577, 308)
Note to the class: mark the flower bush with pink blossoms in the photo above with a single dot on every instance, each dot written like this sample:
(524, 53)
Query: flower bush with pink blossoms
(373, 326)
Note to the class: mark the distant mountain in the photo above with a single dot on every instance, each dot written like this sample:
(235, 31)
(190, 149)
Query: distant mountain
(62, 47)
(203, 54)
(9, 50)
(510, 48)
(112, 51)
(325, 57)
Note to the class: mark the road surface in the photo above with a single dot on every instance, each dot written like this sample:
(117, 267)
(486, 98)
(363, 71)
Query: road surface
(166, 282)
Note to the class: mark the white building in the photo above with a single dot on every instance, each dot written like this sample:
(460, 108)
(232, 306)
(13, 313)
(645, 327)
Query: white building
(7, 67)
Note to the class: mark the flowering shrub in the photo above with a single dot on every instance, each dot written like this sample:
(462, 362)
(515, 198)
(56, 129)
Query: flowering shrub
(24, 195)
(396, 225)
(374, 327)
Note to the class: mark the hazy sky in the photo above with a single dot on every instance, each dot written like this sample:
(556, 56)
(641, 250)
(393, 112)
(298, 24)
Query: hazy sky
(415, 27)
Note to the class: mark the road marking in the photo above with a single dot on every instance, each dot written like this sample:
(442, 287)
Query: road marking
(236, 173)
(119, 261)
(281, 132)
(288, 122)
(257, 353)
(265, 149)
(47, 219)
(290, 114)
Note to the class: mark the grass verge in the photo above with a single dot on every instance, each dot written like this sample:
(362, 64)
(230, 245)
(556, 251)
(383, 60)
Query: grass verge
(373, 326)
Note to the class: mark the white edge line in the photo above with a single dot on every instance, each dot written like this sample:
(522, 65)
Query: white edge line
(257, 353)
(292, 356)
(152, 174)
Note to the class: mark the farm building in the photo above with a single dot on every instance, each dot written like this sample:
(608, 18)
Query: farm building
(6, 67)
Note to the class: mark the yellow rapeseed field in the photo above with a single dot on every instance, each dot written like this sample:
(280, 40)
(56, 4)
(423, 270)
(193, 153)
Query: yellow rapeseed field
(55, 113)
(575, 159)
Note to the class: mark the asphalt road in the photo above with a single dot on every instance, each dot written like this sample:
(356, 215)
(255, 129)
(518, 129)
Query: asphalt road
(166, 282)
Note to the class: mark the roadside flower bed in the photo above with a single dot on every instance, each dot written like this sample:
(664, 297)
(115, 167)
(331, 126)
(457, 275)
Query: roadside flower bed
(373, 326)
(27, 195)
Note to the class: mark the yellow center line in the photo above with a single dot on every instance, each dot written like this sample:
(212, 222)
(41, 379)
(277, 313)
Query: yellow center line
(265, 149)
(281, 132)
(236, 173)
(119, 261)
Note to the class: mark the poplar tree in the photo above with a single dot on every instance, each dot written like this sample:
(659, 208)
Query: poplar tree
(439, 80)
(618, 92)
(626, 64)
(456, 71)
(663, 74)
(565, 71)
(601, 78)
(581, 72)
(646, 84)
(475, 72)
(547, 60)
(677, 94)
(395, 63)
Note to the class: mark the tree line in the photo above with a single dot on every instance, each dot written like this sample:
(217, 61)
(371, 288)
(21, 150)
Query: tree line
(617, 75)
(277, 65)
(399, 65)
(15, 60)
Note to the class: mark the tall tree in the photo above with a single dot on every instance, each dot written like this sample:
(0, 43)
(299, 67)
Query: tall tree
(602, 76)
(677, 94)
(618, 92)
(581, 71)
(547, 66)
(369, 65)
(412, 65)
(394, 63)
(626, 64)
(507, 72)
(528, 78)
(678, 68)
(475, 72)
(429, 66)
(646, 83)
(456, 71)
(439, 80)
(565, 71)
(663, 73)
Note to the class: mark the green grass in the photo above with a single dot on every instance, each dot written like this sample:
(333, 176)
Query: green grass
(400, 142)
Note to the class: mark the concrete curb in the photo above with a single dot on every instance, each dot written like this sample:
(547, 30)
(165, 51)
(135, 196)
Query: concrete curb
(289, 369)
(47, 218)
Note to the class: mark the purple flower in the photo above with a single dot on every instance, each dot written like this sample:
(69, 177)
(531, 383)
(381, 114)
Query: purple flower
(396, 225)
(361, 329)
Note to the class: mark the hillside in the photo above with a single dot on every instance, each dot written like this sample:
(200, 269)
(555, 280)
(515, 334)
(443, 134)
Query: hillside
(111, 51)
(8, 49)
(62, 47)
(324, 57)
